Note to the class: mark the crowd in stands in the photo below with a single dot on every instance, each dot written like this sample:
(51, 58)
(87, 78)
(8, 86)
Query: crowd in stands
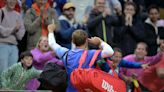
(36, 33)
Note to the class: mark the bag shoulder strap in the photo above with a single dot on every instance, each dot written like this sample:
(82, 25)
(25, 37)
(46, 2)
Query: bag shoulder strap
(82, 58)
(114, 73)
(66, 53)
(94, 58)
(3, 15)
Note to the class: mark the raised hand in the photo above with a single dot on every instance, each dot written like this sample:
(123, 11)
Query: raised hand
(106, 12)
(51, 28)
(95, 41)
(128, 20)
(44, 13)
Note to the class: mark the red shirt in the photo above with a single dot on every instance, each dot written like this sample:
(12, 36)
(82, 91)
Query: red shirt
(2, 4)
(150, 79)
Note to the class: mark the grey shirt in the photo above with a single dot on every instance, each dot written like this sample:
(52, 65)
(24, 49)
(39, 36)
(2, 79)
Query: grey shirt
(7, 25)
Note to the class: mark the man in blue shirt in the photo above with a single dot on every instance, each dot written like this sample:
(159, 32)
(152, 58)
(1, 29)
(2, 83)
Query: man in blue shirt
(71, 57)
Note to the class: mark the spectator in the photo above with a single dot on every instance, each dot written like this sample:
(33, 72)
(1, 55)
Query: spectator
(68, 25)
(36, 20)
(159, 3)
(43, 54)
(139, 56)
(79, 38)
(18, 74)
(117, 62)
(151, 30)
(139, 4)
(100, 21)
(12, 30)
(113, 5)
(153, 78)
(131, 31)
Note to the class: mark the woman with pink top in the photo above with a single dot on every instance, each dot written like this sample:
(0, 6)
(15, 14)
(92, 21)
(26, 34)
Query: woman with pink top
(140, 56)
(43, 54)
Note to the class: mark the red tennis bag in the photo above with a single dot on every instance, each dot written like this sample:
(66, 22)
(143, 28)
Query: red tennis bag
(95, 80)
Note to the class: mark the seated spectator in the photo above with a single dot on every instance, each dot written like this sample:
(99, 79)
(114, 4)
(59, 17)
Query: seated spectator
(80, 39)
(36, 20)
(117, 62)
(139, 56)
(68, 25)
(18, 74)
(43, 54)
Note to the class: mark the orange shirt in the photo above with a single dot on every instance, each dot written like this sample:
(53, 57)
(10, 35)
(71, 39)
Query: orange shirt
(37, 9)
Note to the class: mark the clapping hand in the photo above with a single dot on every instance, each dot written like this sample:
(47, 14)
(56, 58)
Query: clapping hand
(106, 12)
(51, 28)
(128, 20)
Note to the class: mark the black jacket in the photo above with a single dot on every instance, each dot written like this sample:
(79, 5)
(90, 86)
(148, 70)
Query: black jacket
(95, 25)
(126, 37)
(151, 38)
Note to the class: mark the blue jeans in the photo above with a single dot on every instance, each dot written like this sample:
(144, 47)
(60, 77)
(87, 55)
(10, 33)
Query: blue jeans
(8, 56)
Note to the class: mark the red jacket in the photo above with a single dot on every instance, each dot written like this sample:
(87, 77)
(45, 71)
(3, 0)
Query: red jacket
(151, 80)
(2, 4)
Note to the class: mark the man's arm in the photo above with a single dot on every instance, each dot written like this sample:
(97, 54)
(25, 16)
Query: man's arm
(21, 30)
(30, 25)
(154, 59)
(54, 46)
(93, 20)
(107, 50)
(130, 64)
(6, 31)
